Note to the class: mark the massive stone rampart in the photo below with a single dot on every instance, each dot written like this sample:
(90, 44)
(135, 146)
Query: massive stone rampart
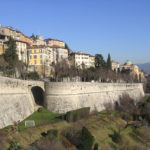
(16, 100)
(63, 97)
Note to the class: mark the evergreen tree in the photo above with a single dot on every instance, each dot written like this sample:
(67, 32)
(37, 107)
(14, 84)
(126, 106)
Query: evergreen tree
(99, 61)
(87, 139)
(109, 64)
(10, 55)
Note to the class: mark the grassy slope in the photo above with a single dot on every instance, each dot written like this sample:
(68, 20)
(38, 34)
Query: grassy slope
(100, 126)
(40, 118)
(44, 121)
(104, 124)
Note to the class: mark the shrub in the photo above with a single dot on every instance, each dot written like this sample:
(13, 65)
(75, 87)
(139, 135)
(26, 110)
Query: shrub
(52, 134)
(75, 115)
(116, 137)
(87, 139)
(40, 110)
(73, 134)
(33, 75)
(15, 146)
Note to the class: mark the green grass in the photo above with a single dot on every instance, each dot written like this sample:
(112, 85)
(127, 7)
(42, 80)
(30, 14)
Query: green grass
(41, 118)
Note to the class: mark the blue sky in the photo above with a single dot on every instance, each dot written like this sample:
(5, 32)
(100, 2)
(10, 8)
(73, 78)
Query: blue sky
(118, 27)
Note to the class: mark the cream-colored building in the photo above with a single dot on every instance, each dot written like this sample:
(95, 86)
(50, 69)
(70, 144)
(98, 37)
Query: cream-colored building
(53, 55)
(15, 34)
(55, 43)
(39, 59)
(91, 61)
(115, 65)
(134, 70)
(80, 60)
(38, 40)
(62, 53)
(21, 42)
(22, 51)
(1, 47)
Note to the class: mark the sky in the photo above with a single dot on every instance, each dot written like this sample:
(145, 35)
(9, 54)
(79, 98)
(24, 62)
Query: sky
(118, 27)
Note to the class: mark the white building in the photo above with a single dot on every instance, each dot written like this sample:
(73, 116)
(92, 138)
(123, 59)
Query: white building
(22, 51)
(79, 59)
(115, 65)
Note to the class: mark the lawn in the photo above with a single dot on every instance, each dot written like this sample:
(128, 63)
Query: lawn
(41, 117)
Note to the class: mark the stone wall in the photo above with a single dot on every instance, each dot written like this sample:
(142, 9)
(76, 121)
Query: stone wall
(63, 97)
(16, 100)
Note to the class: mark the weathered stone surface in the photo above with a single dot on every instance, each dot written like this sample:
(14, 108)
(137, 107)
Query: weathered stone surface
(16, 100)
(63, 97)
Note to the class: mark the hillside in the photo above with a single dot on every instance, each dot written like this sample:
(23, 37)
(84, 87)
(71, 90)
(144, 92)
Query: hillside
(145, 67)
(102, 127)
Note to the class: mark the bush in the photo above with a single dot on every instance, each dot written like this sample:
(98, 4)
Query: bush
(15, 146)
(78, 114)
(116, 137)
(33, 75)
(73, 134)
(40, 110)
(87, 140)
(52, 134)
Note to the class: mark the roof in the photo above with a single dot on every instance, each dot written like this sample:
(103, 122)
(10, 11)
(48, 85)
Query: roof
(37, 46)
(115, 62)
(128, 62)
(49, 39)
(136, 66)
(55, 46)
(81, 53)
(20, 41)
(18, 31)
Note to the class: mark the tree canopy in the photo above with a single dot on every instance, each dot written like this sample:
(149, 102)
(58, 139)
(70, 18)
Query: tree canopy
(10, 54)
(99, 61)
(109, 64)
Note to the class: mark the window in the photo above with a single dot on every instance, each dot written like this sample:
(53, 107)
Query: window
(40, 61)
(40, 56)
(35, 56)
(34, 51)
(34, 61)
(30, 57)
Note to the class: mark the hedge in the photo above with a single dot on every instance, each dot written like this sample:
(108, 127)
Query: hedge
(78, 114)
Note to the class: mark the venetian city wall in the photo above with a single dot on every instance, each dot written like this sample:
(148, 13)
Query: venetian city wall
(63, 97)
(17, 101)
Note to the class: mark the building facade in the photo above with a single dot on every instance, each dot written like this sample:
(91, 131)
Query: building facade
(55, 43)
(133, 70)
(39, 60)
(80, 60)
(22, 51)
(19, 37)
(115, 66)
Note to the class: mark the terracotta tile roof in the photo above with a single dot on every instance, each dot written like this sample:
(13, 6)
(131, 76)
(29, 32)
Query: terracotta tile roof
(49, 39)
(80, 53)
(37, 46)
